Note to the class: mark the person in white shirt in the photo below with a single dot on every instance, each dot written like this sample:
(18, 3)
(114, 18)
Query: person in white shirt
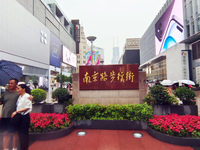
(24, 106)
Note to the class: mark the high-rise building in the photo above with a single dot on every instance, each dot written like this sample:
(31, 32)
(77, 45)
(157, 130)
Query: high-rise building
(131, 51)
(115, 58)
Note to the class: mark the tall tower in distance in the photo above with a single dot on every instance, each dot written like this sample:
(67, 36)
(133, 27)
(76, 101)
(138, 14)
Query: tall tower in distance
(115, 58)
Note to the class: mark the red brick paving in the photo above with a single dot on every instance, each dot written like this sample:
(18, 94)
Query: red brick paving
(105, 140)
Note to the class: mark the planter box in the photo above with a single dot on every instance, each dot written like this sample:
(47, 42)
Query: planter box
(49, 108)
(180, 110)
(59, 108)
(174, 140)
(37, 108)
(111, 124)
(50, 135)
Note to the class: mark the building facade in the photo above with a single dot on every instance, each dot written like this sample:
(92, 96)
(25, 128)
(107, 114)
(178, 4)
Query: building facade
(34, 35)
(168, 48)
(83, 48)
(131, 51)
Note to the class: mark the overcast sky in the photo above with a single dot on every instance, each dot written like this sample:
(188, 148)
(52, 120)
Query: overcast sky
(112, 21)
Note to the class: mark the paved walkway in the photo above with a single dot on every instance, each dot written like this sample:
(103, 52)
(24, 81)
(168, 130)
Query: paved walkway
(105, 140)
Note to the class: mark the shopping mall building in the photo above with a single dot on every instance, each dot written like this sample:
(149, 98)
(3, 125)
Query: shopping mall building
(39, 37)
(170, 47)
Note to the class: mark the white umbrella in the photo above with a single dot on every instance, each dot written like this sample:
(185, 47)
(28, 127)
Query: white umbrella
(167, 82)
(186, 82)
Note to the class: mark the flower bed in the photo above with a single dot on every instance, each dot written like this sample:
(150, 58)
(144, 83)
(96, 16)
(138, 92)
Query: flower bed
(47, 122)
(176, 125)
(49, 126)
(176, 129)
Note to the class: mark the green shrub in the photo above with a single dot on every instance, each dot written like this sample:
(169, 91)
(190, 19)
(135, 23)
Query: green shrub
(160, 95)
(185, 95)
(197, 86)
(172, 100)
(149, 99)
(131, 112)
(62, 96)
(38, 95)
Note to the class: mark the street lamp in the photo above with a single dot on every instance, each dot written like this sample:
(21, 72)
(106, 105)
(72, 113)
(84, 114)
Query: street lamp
(91, 39)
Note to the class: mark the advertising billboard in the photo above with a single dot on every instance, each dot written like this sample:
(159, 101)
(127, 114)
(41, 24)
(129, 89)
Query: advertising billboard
(169, 28)
(109, 77)
(69, 57)
(55, 50)
(95, 58)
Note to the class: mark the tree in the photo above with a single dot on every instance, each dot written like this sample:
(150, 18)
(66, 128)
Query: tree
(62, 78)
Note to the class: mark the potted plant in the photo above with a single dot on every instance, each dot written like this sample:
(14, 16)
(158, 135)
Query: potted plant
(186, 95)
(164, 104)
(63, 98)
(39, 95)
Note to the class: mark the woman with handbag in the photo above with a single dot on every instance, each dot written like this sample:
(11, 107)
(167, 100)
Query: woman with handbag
(21, 115)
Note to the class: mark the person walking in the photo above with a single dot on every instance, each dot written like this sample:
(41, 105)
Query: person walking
(9, 99)
(24, 107)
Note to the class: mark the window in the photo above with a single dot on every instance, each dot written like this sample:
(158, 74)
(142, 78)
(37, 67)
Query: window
(196, 50)
(188, 30)
(198, 23)
(198, 6)
(193, 28)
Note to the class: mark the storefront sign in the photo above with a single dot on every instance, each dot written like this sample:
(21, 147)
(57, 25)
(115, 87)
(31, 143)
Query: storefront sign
(77, 33)
(185, 65)
(198, 75)
(69, 57)
(109, 77)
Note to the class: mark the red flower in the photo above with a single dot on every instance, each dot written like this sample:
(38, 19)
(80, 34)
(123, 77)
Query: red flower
(48, 122)
(177, 125)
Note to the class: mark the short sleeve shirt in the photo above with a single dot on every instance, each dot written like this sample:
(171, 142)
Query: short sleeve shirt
(24, 102)
(9, 100)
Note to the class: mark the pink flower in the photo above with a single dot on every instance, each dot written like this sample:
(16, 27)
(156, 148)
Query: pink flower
(187, 125)
(48, 122)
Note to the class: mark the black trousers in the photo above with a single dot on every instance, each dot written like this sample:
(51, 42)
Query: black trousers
(23, 132)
